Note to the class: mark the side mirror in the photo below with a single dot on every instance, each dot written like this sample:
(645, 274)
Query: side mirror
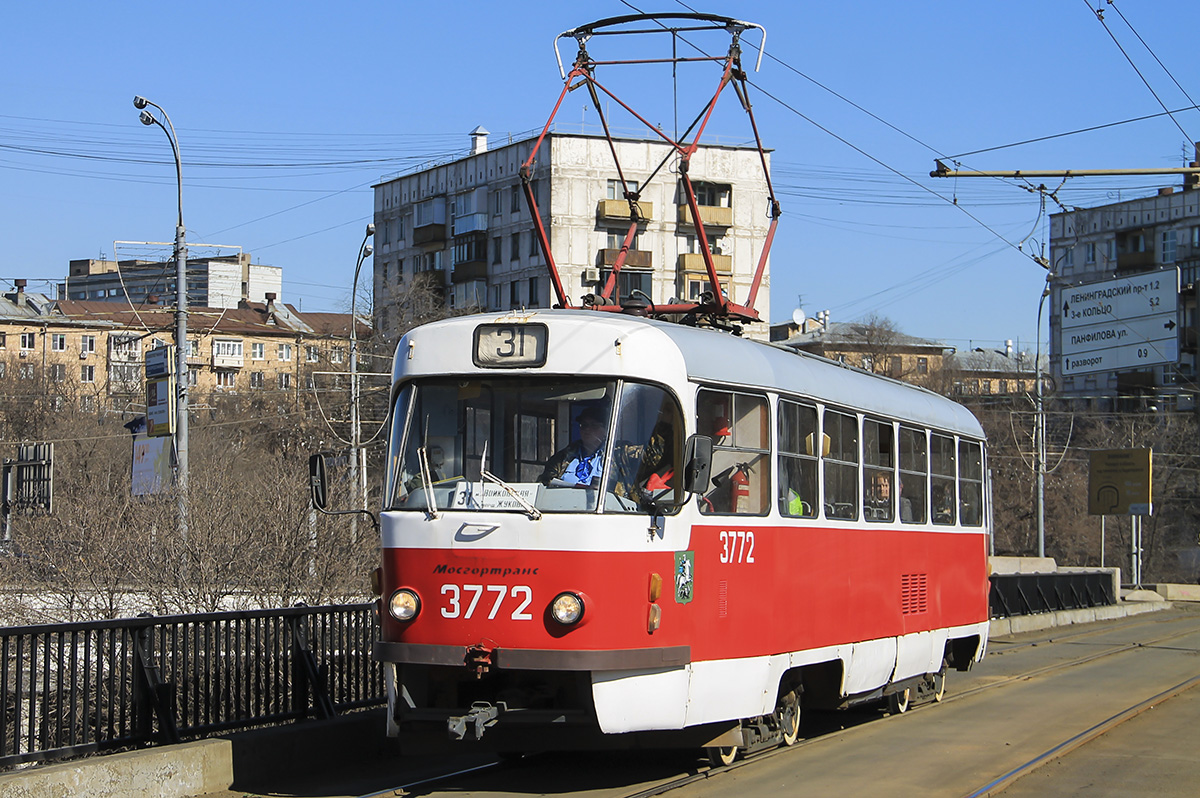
(698, 457)
(318, 483)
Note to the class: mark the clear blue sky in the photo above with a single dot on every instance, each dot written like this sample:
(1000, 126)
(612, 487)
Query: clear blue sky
(287, 113)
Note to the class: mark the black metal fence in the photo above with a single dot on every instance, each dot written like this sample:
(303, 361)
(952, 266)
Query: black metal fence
(70, 689)
(1029, 594)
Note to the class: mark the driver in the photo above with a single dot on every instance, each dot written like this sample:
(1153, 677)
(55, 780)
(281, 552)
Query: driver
(581, 461)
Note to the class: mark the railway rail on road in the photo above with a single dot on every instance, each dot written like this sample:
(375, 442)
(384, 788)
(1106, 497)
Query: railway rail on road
(1060, 697)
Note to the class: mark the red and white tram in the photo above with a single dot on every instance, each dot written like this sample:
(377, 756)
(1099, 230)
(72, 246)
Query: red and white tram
(760, 531)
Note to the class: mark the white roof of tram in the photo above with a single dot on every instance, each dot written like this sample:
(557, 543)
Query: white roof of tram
(594, 342)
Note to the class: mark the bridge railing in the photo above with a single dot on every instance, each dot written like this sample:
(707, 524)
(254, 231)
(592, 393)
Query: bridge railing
(71, 689)
(1030, 594)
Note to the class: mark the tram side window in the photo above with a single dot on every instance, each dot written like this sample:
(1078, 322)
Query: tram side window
(841, 465)
(798, 451)
(942, 478)
(741, 466)
(878, 463)
(914, 475)
(970, 483)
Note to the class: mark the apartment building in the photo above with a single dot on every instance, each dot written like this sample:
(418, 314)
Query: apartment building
(465, 225)
(93, 352)
(1147, 242)
(214, 282)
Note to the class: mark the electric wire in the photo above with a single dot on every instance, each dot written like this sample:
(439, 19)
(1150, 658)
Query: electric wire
(1099, 14)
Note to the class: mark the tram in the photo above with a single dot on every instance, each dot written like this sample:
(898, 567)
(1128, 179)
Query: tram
(762, 530)
(625, 525)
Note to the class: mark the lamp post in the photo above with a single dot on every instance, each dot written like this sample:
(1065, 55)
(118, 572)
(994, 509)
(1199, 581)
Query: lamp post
(181, 414)
(359, 467)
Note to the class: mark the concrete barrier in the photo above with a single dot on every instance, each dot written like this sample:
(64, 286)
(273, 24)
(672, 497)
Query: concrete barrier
(1003, 627)
(240, 762)
(1178, 592)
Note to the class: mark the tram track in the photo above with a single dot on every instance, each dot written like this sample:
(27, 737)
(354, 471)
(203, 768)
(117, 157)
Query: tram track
(830, 724)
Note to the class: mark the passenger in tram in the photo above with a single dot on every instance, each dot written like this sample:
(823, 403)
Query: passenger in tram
(877, 500)
(642, 470)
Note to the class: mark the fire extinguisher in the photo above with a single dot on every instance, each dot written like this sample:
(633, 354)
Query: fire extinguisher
(740, 488)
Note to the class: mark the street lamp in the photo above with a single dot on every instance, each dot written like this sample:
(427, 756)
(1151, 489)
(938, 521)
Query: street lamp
(181, 414)
(359, 453)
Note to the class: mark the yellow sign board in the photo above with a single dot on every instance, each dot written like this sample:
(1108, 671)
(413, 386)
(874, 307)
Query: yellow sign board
(1119, 482)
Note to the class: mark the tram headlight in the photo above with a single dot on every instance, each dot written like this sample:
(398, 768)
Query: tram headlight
(404, 604)
(567, 608)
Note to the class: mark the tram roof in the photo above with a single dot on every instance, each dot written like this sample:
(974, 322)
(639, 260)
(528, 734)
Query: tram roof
(721, 358)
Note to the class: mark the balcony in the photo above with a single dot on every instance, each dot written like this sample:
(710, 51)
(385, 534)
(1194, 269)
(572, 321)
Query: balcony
(1135, 261)
(619, 209)
(429, 234)
(225, 361)
(468, 271)
(470, 223)
(710, 216)
(636, 258)
(694, 262)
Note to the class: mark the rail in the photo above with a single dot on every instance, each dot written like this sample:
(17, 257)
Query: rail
(1030, 594)
(73, 689)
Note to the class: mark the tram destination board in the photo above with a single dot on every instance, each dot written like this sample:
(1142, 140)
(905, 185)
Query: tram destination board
(1122, 324)
(506, 346)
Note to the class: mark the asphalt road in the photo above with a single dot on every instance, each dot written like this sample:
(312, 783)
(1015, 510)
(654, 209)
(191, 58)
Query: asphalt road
(1028, 702)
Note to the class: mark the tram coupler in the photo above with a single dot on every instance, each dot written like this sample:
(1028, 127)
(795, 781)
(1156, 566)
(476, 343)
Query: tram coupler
(481, 716)
(479, 657)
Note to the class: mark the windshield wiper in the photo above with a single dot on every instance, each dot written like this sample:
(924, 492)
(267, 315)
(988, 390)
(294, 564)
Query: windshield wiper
(427, 483)
(532, 511)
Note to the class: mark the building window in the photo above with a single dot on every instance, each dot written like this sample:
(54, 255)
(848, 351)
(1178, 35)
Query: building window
(514, 294)
(535, 293)
(87, 373)
(1168, 246)
(628, 281)
(496, 249)
(496, 204)
(337, 355)
(715, 195)
(515, 206)
(497, 294)
(897, 367)
(28, 340)
(3, 343)
(922, 365)
(533, 247)
(285, 352)
(616, 192)
(616, 238)
(258, 351)
(312, 354)
(1089, 252)
(58, 372)
(1069, 257)
(1196, 236)
(256, 379)
(514, 251)
(1110, 250)
(868, 363)
(58, 342)
(285, 380)
(226, 379)
(227, 348)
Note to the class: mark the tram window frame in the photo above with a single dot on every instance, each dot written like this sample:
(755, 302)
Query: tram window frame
(798, 459)
(970, 482)
(879, 463)
(914, 474)
(943, 479)
(839, 474)
(746, 441)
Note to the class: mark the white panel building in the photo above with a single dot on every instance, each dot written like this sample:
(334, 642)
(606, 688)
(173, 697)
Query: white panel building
(466, 221)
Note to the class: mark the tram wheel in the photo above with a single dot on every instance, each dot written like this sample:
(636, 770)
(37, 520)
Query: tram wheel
(721, 756)
(898, 702)
(938, 684)
(787, 715)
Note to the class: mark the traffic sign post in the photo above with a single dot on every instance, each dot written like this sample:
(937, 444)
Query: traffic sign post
(1119, 483)
(160, 392)
(1119, 325)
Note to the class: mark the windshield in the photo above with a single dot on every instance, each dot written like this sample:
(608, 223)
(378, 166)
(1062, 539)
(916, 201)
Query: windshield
(552, 444)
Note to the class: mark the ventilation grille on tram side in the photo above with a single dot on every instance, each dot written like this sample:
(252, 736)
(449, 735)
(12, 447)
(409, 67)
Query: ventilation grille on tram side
(914, 593)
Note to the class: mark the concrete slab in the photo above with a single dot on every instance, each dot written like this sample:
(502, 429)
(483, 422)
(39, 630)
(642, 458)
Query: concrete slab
(1178, 592)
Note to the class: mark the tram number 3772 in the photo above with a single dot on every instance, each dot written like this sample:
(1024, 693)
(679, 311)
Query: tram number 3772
(737, 547)
(461, 601)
